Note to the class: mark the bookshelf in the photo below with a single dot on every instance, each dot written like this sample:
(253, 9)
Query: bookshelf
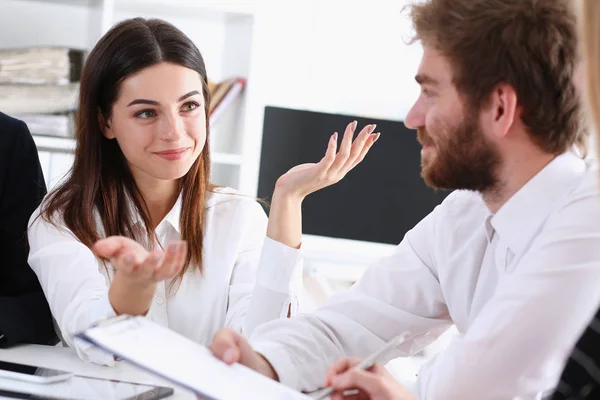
(222, 30)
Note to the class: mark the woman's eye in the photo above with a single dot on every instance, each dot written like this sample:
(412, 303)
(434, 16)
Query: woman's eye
(145, 114)
(190, 106)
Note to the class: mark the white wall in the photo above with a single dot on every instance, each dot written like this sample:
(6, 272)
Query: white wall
(339, 56)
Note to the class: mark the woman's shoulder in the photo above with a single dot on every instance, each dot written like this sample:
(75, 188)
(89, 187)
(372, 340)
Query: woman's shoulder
(41, 216)
(46, 222)
(228, 200)
(46, 229)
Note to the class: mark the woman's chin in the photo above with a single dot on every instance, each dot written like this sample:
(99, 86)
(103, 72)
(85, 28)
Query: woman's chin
(170, 174)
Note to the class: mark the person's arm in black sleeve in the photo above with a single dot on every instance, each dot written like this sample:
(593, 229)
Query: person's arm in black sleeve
(24, 313)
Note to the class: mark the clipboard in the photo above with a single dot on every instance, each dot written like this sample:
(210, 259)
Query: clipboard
(177, 359)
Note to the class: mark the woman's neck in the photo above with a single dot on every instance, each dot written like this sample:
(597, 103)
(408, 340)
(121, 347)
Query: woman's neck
(159, 195)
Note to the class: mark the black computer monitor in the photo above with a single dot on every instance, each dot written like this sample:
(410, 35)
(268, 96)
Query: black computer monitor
(378, 201)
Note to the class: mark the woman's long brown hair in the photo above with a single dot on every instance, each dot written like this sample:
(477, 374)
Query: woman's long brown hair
(100, 178)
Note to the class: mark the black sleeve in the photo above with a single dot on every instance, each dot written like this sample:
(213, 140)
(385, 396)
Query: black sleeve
(21, 191)
(580, 378)
(26, 319)
(22, 187)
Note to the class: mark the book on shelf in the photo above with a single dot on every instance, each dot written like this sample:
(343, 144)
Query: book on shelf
(38, 99)
(40, 65)
(223, 94)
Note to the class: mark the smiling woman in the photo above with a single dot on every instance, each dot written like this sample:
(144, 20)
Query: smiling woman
(159, 124)
(136, 227)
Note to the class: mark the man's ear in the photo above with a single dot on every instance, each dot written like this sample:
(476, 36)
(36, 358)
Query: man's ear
(105, 126)
(504, 109)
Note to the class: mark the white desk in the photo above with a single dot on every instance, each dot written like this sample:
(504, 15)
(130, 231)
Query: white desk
(66, 359)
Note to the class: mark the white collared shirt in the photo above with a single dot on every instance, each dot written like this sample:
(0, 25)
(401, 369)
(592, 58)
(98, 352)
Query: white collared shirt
(248, 279)
(519, 285)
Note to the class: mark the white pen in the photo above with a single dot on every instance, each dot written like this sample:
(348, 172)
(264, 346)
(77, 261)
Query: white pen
(366, 363)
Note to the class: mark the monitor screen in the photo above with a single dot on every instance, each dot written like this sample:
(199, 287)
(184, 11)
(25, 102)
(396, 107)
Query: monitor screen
(378, 201)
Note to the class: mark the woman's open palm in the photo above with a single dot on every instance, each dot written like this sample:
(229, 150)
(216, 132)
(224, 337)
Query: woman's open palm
(305, 179)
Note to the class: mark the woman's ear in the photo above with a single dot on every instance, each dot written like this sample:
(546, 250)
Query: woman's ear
(105, 126)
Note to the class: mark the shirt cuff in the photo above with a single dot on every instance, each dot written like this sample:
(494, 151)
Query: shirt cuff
(102, 309)
(279, 266)
(99, 309)
(281, 362)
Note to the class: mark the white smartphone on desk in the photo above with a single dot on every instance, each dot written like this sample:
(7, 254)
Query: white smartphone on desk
(28, 373)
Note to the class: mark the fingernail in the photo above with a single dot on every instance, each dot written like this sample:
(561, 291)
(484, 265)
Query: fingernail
(354, 124)
(376, 137)
(335, 137)
(373, 127)
(228, 356)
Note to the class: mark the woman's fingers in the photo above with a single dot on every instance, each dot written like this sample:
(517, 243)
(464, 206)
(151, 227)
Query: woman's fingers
(358, 146)
(365, 149)
(345, 148)
(329, 157)
(172, 262)
(115, 247)
(351, 153)
(129, 260)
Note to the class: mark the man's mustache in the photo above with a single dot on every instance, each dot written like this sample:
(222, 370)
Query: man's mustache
(423, 137)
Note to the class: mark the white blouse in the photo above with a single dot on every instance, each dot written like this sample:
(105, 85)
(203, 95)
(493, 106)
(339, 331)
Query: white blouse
(248, 279)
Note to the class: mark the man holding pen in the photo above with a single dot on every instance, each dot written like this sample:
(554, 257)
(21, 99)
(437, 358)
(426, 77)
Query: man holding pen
(510, 258)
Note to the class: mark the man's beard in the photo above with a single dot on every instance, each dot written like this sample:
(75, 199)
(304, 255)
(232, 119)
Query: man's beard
(463, 158)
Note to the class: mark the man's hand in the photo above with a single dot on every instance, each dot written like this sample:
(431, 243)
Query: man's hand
(376, 383)
(231, 347)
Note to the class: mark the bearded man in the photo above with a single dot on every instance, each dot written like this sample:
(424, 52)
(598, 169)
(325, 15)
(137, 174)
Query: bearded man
(511, 257)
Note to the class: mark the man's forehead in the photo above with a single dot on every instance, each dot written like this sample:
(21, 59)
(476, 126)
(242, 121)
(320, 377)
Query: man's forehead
(434, 68)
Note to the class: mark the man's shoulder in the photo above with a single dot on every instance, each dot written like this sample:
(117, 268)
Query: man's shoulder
(460, 214)
(583, 197)
(463, 203)
(8, 124)
(590, 179)
(12, 131)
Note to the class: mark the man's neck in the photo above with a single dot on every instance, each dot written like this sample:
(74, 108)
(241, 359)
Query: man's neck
(514, 173)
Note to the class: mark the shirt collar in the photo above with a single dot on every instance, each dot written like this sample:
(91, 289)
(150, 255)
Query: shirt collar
(489, 229)
(520, 217)
(172, 217)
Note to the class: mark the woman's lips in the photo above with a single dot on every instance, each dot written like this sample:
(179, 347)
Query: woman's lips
(172, 155)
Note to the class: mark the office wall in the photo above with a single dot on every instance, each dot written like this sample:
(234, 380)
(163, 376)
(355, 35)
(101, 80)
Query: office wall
(340, 57)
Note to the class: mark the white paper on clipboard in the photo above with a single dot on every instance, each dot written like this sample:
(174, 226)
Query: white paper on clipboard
(158, 350)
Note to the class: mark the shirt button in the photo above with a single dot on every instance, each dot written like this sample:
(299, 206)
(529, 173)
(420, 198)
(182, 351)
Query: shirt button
(160, 299)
